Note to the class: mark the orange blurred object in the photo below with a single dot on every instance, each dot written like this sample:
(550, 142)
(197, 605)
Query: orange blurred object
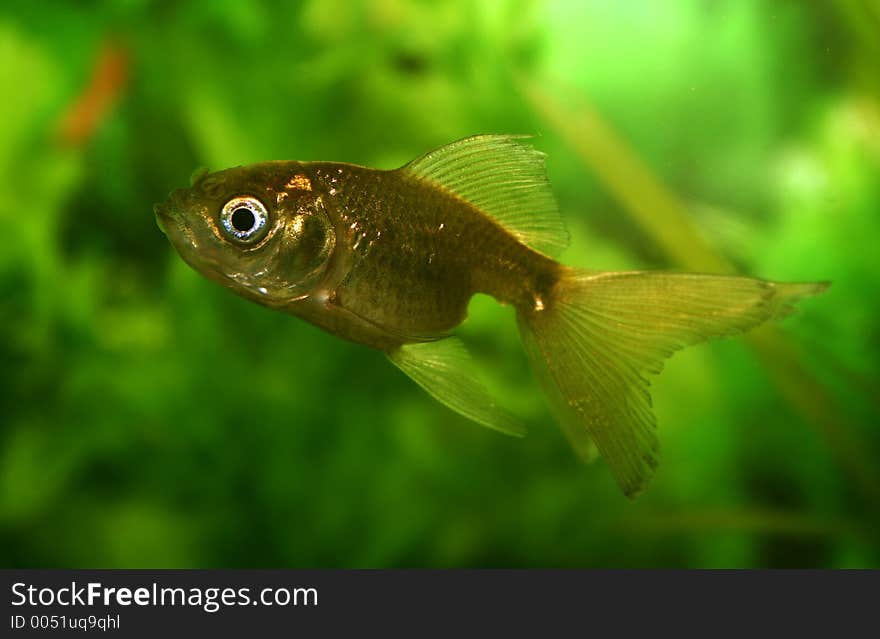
(108, 80)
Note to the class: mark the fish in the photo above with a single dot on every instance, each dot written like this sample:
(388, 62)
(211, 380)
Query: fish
(391, 258)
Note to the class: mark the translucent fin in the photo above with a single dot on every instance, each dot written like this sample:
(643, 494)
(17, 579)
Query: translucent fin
(504, 178)
(446, 371)
(603, 333)
(569, 421)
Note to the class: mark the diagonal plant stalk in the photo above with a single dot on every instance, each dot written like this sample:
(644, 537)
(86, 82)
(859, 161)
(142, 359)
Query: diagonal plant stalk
(667, 221)
(862, 19)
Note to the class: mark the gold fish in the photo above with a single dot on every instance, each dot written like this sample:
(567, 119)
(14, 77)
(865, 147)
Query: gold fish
(390, 259)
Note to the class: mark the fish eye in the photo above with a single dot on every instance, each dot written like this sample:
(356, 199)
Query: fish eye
(244, 219)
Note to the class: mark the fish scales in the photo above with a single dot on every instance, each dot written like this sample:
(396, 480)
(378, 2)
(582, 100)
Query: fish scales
(418, 253)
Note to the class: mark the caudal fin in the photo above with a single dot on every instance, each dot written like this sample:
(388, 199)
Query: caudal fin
(599, 336)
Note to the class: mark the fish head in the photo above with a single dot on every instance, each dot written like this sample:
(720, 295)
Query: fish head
(254, 229)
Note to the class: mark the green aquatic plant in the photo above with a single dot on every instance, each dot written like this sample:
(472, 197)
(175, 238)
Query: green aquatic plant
(149, 418)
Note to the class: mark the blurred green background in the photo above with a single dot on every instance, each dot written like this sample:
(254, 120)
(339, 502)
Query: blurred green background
(149, 417)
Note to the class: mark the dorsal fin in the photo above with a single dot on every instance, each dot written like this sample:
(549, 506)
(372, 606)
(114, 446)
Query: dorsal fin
(505, 179)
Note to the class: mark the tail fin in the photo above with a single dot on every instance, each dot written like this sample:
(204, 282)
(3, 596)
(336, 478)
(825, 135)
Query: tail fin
(598, 337)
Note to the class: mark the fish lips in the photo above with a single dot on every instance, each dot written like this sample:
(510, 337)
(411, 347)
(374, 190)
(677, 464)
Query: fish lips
(166, 211)
(163, 216)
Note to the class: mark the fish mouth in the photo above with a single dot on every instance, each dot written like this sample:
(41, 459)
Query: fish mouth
(165, 211)
(163, 217)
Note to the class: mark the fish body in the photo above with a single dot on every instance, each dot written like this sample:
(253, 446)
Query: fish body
(406, 257)
(391, 258)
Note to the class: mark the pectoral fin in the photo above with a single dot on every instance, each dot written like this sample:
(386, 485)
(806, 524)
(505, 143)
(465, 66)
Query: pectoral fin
(446, 371)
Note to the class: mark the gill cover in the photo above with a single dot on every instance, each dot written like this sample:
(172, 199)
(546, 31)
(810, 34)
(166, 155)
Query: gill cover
(293, 256)
(306, 243)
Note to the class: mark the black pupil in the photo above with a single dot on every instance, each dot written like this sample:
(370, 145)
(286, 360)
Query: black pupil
(243, 220)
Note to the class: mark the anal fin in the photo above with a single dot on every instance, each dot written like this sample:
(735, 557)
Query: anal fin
(445, 370)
